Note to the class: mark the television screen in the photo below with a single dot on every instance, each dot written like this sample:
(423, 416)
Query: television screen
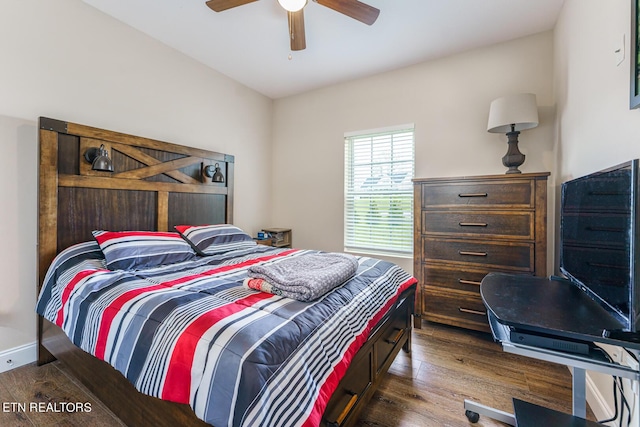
(598, 238)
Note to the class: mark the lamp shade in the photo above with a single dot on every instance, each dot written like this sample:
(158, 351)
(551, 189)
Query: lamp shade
(518, 110)
(292, 5)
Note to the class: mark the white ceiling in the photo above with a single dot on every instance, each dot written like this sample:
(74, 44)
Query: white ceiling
(250, 43)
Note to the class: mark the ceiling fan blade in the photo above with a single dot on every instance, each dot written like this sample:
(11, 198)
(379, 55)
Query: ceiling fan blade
(354, 9)
(296, 30)
(220, 5)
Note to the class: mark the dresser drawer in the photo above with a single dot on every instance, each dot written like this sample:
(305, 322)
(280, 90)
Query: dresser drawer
(495, 224)
(465, 279)
(481, 194)
(455, 308)
(508, 255)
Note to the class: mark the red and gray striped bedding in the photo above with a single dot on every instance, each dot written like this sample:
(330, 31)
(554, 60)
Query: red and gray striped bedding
(191, 333)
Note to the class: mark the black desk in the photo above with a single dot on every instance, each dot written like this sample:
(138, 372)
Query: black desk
(555, 308)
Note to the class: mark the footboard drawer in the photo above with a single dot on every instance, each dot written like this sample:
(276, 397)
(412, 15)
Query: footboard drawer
(392, 336)
(350, 390)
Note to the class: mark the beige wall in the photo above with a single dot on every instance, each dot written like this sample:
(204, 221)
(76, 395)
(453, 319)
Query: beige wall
(65, 60)
(447, 100)
(18, 227)
(595, 128)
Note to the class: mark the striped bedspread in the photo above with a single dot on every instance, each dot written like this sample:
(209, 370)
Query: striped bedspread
(191, 333)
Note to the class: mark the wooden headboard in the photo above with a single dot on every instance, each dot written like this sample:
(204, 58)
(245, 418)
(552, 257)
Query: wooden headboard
(154, 186)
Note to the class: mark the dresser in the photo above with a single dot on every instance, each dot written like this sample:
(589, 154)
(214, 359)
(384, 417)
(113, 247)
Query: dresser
(467, 227)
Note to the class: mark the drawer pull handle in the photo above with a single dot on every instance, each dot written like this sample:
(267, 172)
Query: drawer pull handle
(472, 253)
(472, 195)
(472, 224)
(468, 282)
(344, 412)
(470, 311)
(397, 337)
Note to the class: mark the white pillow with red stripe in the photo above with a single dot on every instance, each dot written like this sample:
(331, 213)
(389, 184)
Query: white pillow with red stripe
(215, 239)
(135, 250)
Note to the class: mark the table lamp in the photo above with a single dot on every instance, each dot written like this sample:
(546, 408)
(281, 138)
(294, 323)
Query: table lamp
(511, 114)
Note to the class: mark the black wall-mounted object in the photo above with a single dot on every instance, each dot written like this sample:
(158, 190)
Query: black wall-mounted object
(99, 159)
(599, 239)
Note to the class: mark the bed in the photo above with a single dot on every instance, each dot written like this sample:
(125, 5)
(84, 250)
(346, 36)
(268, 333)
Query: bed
(330, 354)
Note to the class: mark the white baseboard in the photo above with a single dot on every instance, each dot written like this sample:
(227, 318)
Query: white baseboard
(18, 356)
(596, 400)
(601, 406)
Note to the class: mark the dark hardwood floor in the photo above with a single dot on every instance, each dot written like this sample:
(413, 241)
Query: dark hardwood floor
(425, 388)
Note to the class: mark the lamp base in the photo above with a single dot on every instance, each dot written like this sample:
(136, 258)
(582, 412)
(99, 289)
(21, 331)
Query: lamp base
(514, 157)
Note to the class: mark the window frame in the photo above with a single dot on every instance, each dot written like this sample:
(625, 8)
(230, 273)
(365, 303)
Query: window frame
(402, 245)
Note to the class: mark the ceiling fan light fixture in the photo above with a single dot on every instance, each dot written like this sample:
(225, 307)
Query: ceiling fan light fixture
(292, 5)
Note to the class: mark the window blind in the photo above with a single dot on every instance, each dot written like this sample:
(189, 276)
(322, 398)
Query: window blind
(378, 210)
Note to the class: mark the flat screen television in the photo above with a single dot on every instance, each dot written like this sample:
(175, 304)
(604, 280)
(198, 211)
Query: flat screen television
(599, 239)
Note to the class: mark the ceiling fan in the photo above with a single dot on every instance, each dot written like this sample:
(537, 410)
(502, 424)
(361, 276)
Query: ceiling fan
(353, 8)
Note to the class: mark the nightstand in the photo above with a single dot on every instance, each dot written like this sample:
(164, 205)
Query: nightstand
(280, 237)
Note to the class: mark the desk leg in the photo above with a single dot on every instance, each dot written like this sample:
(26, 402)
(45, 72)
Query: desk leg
(579, 393)
(475, 409)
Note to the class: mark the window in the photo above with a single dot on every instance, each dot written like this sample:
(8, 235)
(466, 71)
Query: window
(378, 201)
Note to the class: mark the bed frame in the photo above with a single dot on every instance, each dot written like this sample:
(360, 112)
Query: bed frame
(154, 186)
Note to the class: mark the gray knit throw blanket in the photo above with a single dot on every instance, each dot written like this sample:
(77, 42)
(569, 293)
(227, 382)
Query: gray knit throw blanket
(305, 277)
